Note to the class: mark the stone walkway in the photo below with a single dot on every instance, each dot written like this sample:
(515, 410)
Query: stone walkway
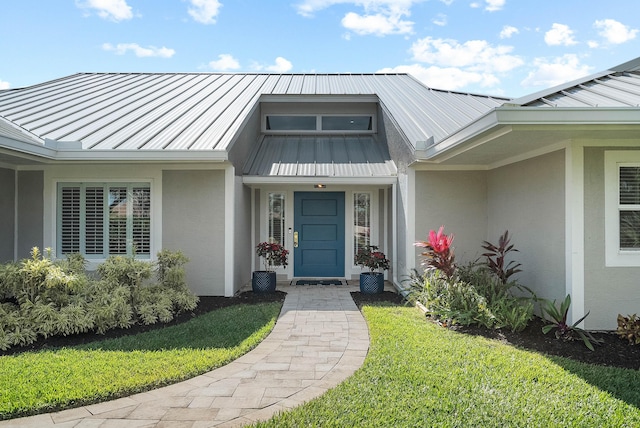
(319, 340)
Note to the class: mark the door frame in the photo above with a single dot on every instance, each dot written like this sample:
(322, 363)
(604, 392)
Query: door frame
(380, 220)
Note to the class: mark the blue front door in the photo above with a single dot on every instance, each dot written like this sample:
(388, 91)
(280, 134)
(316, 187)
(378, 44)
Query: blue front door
(319, 223)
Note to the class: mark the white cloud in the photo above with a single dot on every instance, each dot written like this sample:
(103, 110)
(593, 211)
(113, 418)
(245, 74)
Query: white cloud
(114, 10)
(476, 55)
(204, 11)
(615, 32)
(380, 17)
(225, 62)
(593, 44)
(447, 2)
(281, 65)
(552, 72)
(139, 51)
(4, 85)
(494, 5)
(377, 24)
(508, 31)
(440, 20)
(446, 78)
(559, 34)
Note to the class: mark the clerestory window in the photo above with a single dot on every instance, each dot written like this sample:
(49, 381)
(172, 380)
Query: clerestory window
(319, 123)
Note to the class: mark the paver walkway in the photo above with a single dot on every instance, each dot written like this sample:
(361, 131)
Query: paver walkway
(319, 340)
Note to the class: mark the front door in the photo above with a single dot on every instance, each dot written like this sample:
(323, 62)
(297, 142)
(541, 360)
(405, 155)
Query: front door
(319, 224)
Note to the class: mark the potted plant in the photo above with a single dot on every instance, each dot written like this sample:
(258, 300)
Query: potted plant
(372, 282)
(273, 255)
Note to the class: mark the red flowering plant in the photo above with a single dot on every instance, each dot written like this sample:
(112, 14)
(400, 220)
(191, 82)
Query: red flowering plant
(439, 252)
(273, 254)
(372, 258)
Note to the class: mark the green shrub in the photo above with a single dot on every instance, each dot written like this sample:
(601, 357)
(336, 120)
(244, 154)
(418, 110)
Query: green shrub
(475, 297)
(58, 298)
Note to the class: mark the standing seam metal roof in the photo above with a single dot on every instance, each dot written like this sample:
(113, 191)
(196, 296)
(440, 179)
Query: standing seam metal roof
(204, 111)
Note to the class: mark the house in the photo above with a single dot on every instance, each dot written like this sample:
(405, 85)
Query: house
(212, 164)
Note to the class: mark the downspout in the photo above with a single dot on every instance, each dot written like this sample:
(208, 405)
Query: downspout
(15, 215)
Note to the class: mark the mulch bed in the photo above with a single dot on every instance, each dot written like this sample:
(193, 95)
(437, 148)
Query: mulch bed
(612, 352)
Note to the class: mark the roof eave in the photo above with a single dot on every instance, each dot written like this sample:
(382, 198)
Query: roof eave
(500, 121)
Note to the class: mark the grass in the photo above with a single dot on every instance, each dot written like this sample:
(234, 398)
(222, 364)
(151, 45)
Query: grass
(419, 374)
(36, 382)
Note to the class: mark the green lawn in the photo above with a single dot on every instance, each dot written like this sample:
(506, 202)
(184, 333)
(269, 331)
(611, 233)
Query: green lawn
(421, 375)
(35, 382)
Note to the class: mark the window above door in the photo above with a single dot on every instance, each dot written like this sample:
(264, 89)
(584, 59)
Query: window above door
(319, 123)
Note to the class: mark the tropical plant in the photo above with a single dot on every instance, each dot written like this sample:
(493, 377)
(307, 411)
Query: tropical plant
(439, 253)
(273, 255)
(371, 258)
(629, 328)
(496, 258)
(557, 318)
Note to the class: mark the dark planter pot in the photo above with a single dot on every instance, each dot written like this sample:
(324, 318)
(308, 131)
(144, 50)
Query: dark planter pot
(263, 281)
(371, 282)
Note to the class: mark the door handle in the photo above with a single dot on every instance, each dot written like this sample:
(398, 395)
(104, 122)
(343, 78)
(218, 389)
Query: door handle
(295, 239)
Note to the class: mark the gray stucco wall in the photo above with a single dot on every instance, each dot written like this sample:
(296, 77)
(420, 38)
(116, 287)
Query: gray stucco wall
(193, 218)
(457, 200)
(30, 211)
(609, 291)
(527, 198)
(7, 214)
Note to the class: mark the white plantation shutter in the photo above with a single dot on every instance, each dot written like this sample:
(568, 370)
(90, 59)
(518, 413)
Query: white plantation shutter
(629, 207)
(69, 206)
(99, 219)
(94, 220)
(118, 206)
(141, 219)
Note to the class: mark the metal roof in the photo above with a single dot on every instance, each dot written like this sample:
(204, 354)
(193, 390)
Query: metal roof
(205, 111)
(320, 156)
(616, 87)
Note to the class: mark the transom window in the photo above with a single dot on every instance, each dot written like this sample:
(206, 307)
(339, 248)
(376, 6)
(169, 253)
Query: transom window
(102, 219)
(319, 123)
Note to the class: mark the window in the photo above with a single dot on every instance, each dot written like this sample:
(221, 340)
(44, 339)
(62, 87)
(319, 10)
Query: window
(276, 219)
(629, 208)
(319, 123)
(99, 220)
(347, 123)
(362, 221)
(622, 215)
(291, 123)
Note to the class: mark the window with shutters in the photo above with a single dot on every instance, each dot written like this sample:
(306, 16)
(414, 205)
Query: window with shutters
(102, 219)
(622, 208)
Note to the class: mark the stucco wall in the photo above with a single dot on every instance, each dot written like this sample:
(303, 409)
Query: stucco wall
(527, 199)
(457, 200)
(608, 290)
(30, 211)
(7, 214)
(193, 221)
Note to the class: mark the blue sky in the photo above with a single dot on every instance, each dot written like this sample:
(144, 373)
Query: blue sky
(496, 47)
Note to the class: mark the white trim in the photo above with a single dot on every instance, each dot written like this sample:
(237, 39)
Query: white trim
(574, 232)
(614, 257)
(394, 237)
(411, 220)
(258, 181)
(229, 230)
(16, 214)
(114, 174)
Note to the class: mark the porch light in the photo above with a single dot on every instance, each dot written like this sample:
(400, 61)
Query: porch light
(319, 186)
